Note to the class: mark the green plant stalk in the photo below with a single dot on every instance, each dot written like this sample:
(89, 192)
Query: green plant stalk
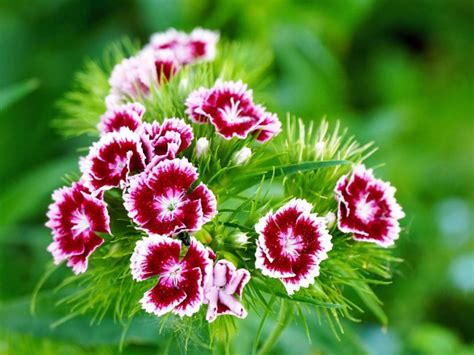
(282, 322)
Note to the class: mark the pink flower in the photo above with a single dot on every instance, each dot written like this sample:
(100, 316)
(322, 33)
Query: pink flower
(112, 159)
(180, 286)
(224, 291)
(167, 140)
(229, 107)
(133, 77)
(129, 115)
(194, 105)
(199, 45)
(291, 245)
(367, 208)
(75, 217)
(160, 201)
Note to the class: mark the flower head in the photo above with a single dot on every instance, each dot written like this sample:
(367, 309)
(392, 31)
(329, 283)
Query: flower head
(167, 140)
(230, 108)
(160, 201)
(292, 243)
(75, 217)
(128, 115)
(224, 290)
(180, 287)
(199, 45)
(367, 208)
(132, 77)
(112, 159)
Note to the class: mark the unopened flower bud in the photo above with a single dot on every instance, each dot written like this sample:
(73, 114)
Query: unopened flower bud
(242, 156)
(241, 238)
(202, 147)
(330, 219)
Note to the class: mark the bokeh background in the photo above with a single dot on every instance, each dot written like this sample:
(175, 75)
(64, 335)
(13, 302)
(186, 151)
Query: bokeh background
(396, 72)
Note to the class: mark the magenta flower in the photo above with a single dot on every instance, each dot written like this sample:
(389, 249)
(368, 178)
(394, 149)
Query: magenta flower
(167, 140)
(229, 107)
(180, 287)
(367, 208)
(128, 115)
(160, 201)
(112, 159)
(224, 291)
(75, 217)
(199, 45)
(291, 245)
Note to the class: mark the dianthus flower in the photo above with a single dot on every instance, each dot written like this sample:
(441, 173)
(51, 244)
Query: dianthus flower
(133, 77)
(367, 208)
(292, 243)
(180, 287)
(127, 115)
(112, 159)
(199, 45)
(223, 291)
(75, 217)
(229, 107)
(167, 140)
(160, 201)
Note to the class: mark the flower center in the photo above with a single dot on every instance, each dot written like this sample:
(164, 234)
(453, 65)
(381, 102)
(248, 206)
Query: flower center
(291, 243)
(173, 274)
(118, 166)
(81, 223)
(365, 210)
(169, 204)
(231, 113)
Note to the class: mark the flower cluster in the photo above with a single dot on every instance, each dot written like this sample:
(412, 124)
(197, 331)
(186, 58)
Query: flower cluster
(152, 170)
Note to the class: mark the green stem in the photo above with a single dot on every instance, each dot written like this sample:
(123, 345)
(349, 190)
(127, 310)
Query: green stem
(282, 322)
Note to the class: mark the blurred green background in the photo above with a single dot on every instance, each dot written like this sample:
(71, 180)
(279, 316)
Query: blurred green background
(396, 72)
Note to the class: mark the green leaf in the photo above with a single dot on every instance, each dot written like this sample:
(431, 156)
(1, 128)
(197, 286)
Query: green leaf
(16, 92)
(249, 180)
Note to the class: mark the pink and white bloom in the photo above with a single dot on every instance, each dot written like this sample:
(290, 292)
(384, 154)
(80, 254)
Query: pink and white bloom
(223, 292)
(194, 104)
(75, 217)
(180, 287)
(133, 78)
(292, 243)
(167, 140)
(229, 107)
(199, 45)
(160, 202)
(367, 207)
(128, 115)
(112, 159)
